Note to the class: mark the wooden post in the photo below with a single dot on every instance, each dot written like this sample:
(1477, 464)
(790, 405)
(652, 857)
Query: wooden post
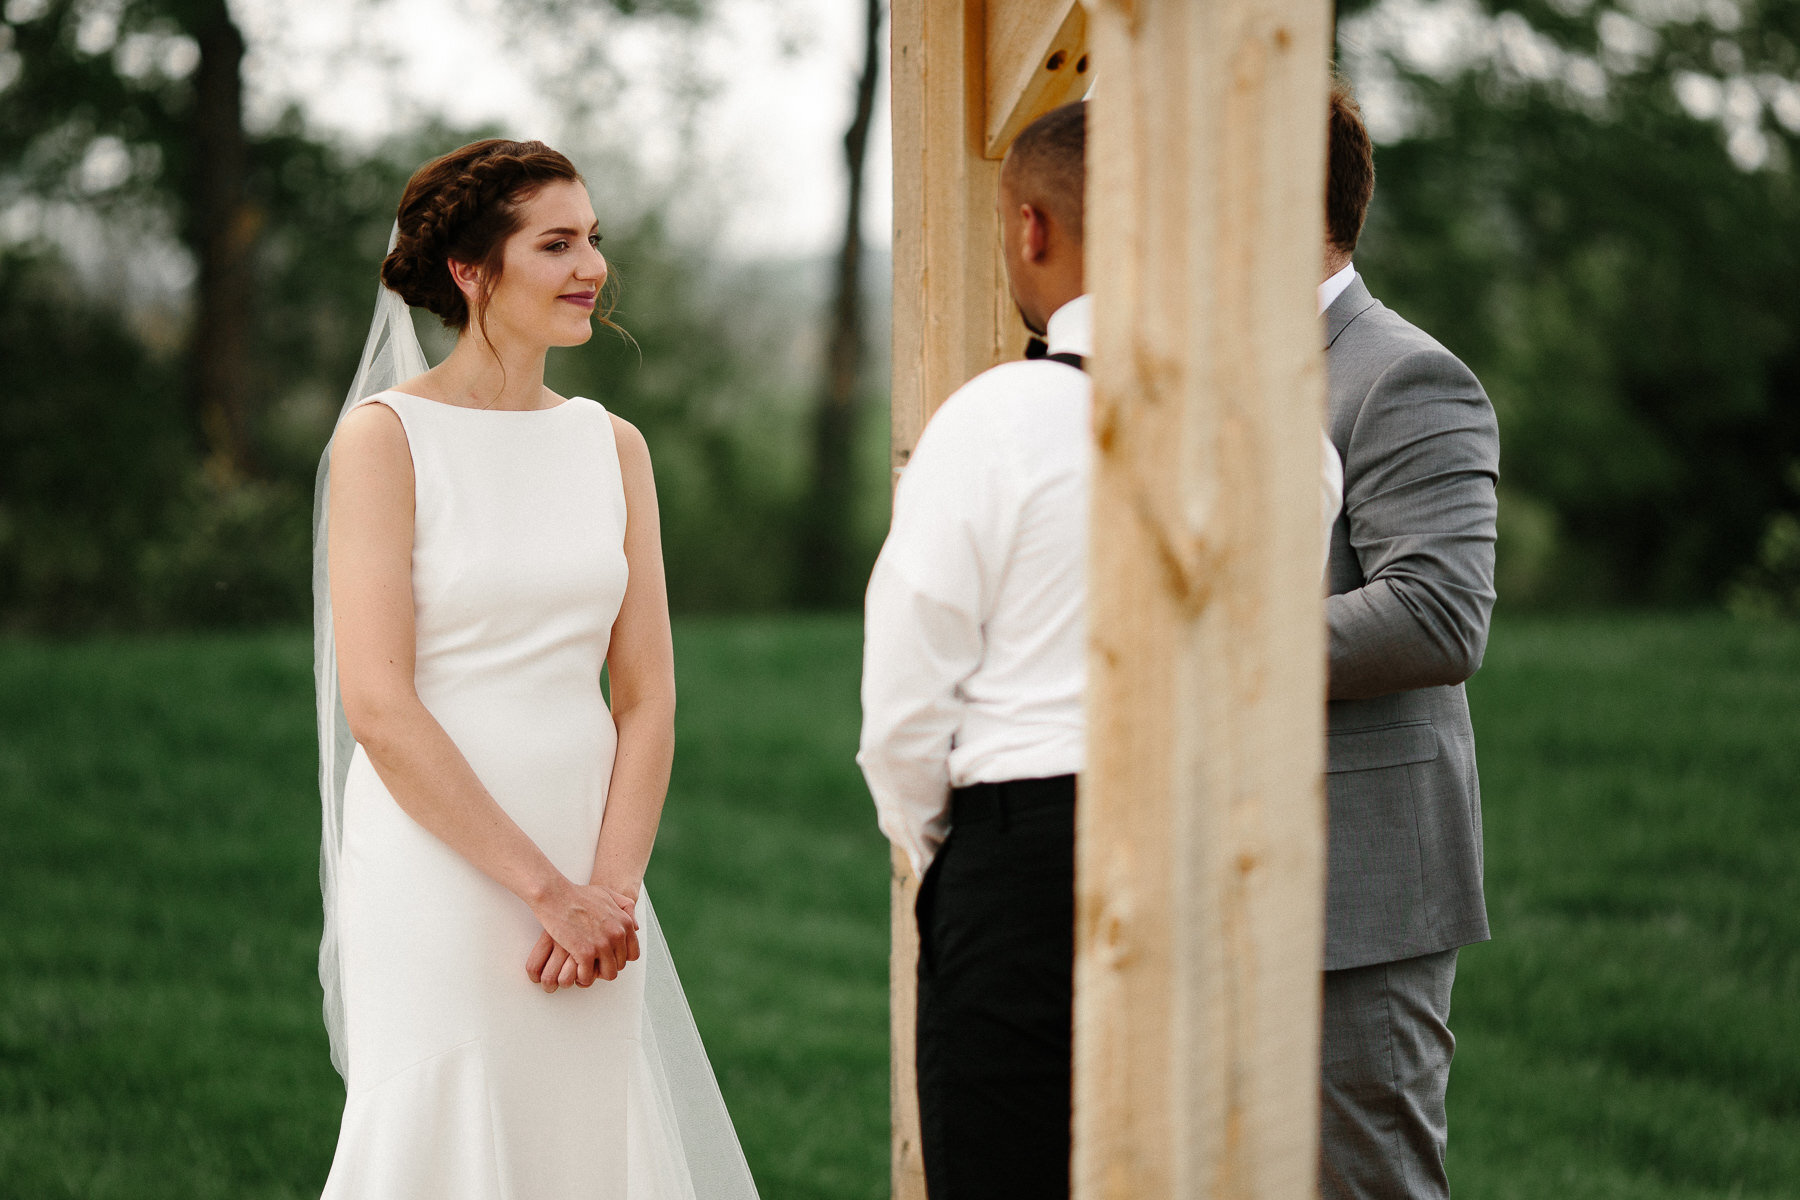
(948, 325)
(1200, 873)
(1200, 842)
(967, 75)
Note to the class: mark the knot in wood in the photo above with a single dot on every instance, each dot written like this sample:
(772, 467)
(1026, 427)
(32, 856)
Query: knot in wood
(1114, 944)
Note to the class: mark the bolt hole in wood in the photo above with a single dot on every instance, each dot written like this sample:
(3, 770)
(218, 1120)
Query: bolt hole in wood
(1056, 61)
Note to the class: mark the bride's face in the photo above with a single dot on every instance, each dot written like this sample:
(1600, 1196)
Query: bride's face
(551, 271)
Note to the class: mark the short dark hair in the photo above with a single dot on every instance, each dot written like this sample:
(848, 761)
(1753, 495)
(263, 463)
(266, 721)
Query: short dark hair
(1046, 164)
(1349, 171)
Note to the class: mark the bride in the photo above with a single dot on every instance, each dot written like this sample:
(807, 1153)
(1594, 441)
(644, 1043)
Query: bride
(500, 1002)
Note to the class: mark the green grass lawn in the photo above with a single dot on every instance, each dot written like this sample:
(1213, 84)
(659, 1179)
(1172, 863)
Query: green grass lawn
(1633, 1031)
(1634, 1028)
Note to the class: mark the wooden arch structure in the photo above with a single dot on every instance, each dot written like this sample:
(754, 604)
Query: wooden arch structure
(1201, 819)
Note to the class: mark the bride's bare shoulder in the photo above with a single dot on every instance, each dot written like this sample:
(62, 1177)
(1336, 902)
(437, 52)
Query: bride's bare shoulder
(625, 432)
(371, 439)
(634, 451)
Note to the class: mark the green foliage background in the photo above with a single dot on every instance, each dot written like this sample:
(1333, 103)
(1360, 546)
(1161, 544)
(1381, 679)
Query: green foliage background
(112, 515)
(1617, 264)
(108, 519)
(1552, 211)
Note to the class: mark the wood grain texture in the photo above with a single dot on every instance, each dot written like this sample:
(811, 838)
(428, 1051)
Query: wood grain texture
(907, 1164)
(953, 318)
(1201, 821)
(953, 315)
(1037, 58)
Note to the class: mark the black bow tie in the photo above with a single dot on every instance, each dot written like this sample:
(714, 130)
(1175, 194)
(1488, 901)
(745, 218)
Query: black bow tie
(1036, 348)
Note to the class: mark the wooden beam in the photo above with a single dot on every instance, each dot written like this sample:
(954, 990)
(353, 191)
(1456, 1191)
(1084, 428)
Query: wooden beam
(952, 318)
(1201, 819)
(1037, 58)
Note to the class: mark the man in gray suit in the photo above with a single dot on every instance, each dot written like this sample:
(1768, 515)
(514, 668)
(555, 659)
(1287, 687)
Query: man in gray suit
(1411, 578)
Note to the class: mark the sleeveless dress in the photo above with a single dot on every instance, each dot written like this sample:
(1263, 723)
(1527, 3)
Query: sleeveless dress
(465, 1080)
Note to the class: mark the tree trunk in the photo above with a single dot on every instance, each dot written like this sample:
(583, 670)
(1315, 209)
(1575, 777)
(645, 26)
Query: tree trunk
(222, 231)
(825, 525)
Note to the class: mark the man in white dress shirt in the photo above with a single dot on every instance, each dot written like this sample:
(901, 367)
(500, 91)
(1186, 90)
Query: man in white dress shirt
(974, 666)
(973, 732)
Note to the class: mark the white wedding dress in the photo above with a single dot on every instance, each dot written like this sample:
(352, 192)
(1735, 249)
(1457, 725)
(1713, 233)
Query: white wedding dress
(465, 1080)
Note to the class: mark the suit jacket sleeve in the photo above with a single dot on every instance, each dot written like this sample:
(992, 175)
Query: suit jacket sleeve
(1421, 466)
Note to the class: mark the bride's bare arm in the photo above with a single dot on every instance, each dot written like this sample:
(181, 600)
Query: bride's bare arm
(640, 663)
(370, 548)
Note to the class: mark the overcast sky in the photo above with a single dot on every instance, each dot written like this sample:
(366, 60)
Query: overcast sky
(770, 137)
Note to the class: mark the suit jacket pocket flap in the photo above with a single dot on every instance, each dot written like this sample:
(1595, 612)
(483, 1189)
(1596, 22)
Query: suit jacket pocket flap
(1382, 746)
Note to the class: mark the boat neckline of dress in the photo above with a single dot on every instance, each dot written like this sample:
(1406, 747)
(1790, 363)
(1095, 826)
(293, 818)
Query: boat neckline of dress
(564, 403)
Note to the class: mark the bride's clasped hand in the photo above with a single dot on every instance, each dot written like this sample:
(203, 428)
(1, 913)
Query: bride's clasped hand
(589, 933)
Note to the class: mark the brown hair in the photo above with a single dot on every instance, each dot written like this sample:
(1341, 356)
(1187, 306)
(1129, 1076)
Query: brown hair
(463, 206)
(1350, 169)
(1046, 164)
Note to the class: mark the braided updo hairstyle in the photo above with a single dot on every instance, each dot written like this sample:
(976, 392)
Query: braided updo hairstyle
(464, 206)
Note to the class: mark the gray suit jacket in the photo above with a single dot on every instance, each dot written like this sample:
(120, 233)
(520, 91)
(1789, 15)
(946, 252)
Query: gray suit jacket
(1412, 586)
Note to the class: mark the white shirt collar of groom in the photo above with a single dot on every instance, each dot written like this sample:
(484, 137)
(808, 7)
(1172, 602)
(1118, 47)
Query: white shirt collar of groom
(1334, 287)
(1070, 329)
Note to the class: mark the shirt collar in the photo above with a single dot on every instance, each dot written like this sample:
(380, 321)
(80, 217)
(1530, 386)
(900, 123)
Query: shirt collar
(1334, 287)
(1070, 329)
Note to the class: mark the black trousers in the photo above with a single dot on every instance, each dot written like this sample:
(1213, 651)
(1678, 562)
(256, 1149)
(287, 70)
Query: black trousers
(996, 916)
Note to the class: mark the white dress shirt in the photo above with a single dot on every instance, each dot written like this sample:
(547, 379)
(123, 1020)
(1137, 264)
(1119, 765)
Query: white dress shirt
(1334, 287)
(975, 642)
(975, 638)
(1331, 483)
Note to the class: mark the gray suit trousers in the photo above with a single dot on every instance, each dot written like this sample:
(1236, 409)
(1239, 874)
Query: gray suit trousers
(1387, 1049)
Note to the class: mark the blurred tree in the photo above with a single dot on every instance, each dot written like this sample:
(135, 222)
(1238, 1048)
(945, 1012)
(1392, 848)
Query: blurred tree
(72, 524)
(823, 577)
(1595, 204)
(141, 101)
(138, 104)
(123, 154)
(1771, 587)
